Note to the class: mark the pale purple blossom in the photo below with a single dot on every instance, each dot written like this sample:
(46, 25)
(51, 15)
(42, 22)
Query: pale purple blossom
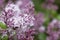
(39, 20)
(2, 4)
(49, 5)
(50, 1)
(42, 29)
(20, 15)
(53, 29)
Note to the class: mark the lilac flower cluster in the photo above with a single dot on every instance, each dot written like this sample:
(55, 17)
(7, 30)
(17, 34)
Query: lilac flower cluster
(54, 30)
(21, 20)
(49, 4)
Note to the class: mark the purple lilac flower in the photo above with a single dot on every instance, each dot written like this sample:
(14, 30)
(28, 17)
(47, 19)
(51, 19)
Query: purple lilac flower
(13, 16)
(13, 13)
(39, 20)
(21, 16)
(50, 5)
(1, 3)
(50, 1)
(27, 35)
(42, 29)
(54, 30)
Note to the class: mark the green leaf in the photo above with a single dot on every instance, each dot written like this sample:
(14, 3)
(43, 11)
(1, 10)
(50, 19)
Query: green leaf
(37, 4)
(5, 38)
(42, 36)
(46, 22)
(36, 37)
(58, 17)
(53, 13)
(0, 36)
(2, 25)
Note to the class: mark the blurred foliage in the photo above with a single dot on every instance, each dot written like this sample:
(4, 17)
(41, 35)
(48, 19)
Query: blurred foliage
(5, 38)
(57, 2)
(40, 36)
(37, 4)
